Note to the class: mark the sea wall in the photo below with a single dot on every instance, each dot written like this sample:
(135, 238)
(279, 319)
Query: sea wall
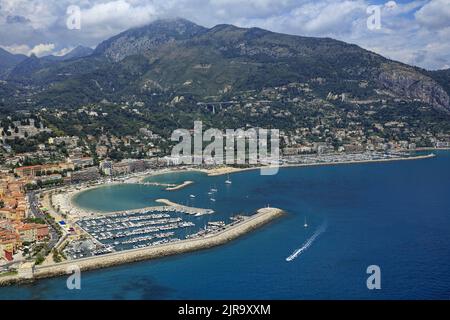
(10, 280)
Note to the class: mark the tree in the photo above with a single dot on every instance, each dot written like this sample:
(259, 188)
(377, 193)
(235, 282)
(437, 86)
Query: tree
(56, 257)
(39, 258)
(2, 204)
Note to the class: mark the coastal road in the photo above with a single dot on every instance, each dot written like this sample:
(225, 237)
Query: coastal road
(37, 213)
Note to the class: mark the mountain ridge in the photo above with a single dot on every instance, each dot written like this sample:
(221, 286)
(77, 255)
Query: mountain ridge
(77, 52)
(183, 58)
(9, 60)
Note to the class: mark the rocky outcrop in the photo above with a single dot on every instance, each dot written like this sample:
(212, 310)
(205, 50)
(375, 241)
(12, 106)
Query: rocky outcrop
(406, 82)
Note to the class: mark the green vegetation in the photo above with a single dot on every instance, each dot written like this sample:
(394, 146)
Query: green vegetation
(8, 273)
(156, 78)
(56, 256)
(43, 184)
(208, 65)
(35, 220)
(40, 258)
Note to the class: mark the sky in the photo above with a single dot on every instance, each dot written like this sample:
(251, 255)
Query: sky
(416, 32)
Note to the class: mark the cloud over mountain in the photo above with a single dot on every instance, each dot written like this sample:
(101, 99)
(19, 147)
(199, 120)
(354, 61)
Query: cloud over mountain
(413, 31)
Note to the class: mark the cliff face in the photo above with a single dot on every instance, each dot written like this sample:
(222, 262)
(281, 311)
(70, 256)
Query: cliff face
(405, 82)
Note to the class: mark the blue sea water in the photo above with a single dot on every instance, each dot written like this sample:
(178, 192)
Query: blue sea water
(395, 215)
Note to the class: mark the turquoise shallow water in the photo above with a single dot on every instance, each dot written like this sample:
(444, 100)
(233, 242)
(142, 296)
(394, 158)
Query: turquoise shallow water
(395, 215)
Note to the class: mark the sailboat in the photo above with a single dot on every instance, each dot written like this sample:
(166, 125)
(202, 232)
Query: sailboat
(228, 181)
(306, 224)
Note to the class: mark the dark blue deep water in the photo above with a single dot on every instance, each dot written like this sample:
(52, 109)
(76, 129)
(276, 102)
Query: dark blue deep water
(395, 215)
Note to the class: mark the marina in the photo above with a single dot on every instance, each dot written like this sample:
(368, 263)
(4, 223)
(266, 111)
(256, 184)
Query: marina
(135, 228)
(164, 246)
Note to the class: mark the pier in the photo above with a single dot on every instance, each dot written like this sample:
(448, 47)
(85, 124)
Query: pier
(168, 186)
(180, 186)
(189, 210)
(169, 207)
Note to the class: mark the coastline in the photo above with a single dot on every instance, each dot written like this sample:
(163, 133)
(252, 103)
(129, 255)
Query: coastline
(68, 204)
(222, 237)
(433, 149)
(230, 170)
(261, 217)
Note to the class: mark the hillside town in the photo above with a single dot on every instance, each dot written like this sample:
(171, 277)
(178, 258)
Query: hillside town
(44, 150)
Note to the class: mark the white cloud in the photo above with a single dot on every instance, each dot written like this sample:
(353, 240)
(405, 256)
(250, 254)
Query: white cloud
(391, 5)
(120, 14)
(412, 31)
(18, 49)
(434, 14)
(62, 52)
(42, 49)
(40, 14)
(335, 17)
(39, 50)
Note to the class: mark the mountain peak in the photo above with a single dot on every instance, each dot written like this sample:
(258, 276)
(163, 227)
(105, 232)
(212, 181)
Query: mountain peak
(9, 60)
(147, 38)
(173, 21)
(176, 55)
(78, 52)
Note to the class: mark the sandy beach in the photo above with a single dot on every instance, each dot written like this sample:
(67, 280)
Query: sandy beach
(65, 199)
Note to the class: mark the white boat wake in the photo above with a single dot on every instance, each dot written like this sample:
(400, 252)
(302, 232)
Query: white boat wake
(308, 243)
